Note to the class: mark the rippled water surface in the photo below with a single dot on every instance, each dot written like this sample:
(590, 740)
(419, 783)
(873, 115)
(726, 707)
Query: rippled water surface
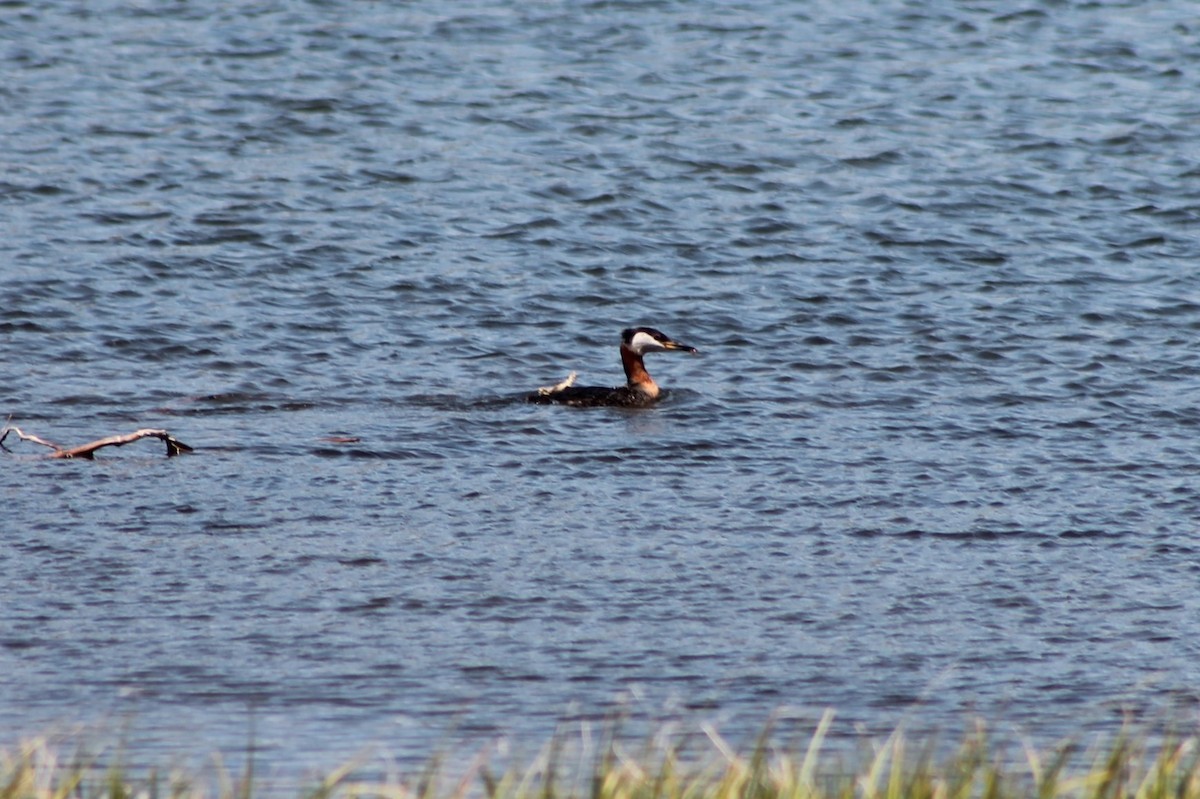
(937, 458)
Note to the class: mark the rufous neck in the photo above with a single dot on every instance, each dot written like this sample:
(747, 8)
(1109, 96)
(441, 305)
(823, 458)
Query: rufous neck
(636, 374)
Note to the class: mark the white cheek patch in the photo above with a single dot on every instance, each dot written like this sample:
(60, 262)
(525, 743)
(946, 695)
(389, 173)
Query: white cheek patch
(644, 342)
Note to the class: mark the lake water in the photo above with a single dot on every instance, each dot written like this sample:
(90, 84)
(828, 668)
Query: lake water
(937, 459)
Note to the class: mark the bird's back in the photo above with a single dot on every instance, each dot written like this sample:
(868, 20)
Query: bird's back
(593, 396)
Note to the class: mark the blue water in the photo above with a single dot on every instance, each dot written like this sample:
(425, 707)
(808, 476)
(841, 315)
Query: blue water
(936, 460)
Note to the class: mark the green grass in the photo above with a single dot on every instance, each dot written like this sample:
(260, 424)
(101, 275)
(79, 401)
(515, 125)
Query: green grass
(1127, 767)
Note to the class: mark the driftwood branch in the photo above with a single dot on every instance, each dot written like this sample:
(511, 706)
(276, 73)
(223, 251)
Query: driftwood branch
(174, 445)
(546, 391)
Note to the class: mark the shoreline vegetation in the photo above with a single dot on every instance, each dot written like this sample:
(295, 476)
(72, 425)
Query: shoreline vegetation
(1129, 765)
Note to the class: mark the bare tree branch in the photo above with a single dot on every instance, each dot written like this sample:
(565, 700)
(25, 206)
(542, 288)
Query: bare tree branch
(17, 431)
(569, 381)
(88, 451)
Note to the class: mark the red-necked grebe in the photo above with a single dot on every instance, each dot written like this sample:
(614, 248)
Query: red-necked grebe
(639, 390)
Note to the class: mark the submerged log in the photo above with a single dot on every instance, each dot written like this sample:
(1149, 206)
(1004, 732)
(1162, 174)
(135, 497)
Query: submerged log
(88, 451)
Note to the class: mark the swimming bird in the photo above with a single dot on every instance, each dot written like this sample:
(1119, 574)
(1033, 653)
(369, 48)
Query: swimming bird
(639, 390)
